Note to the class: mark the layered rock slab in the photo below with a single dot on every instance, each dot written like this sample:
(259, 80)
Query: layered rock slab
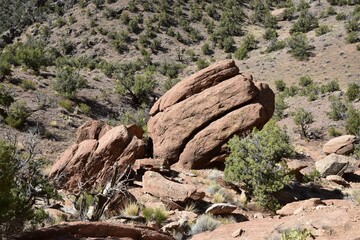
(193, 130)
(91, 161)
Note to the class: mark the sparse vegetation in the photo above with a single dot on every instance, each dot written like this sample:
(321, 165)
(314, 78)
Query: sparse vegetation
(204, 223)
(299, 46)
(303, 118)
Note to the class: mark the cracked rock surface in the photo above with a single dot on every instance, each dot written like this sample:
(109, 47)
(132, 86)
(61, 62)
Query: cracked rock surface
(191, 123)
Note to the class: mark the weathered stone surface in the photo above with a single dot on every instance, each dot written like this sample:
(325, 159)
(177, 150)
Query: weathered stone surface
(336, 165)
(340, 145)
(196, 83)
(279, 14)
(292, 208)
(91, 130)
(95, 230)
(92, 160)
(157, 185)
(192, 130)
(221, 208)
(338, 180)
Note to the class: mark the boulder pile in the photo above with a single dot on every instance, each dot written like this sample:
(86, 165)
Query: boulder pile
(97, 149)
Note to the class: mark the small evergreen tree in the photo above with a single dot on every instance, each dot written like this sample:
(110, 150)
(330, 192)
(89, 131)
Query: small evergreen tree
(257, 162)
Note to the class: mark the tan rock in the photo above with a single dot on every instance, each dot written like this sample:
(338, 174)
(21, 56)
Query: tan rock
(157, 185)
(279, 14)
(296, 207)
(221, 208)
(336, 165)
(340, 145)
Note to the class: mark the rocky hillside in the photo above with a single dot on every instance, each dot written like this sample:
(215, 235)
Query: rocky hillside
(66, 63)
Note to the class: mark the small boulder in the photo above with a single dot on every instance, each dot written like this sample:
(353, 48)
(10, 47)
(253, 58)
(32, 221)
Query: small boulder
(157, 185)
(299, 206)
(279, 14)
(336, 165)
(338, 180)
(340, 145)
(221, 209)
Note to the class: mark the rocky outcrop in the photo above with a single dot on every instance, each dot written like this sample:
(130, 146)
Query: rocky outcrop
(336, 165)
(340, 145)
(191, 123)
(97, 150)
(157, 185)
(95, 230)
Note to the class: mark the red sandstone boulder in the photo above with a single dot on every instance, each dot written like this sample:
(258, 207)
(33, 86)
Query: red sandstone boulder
(91, 160)
(192, 122)
(95, 230)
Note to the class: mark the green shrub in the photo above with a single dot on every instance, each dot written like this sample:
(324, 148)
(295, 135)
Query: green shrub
(131, 209)
(340, 16)
(275, 45)
(206, 49)
(296, 234)
(305, 81)
(31, 55)
(305, 23)
(6, 98)
(357, 48)
(171, 70)
(352, 124)
(353, 92)
(201, 64)
(21, 183)
(280, 85)
(159, 215)
(5, 67)
(28, 85)
(322, 29)
(139, 118)
(169, 83)
(60, 22)
(270, 33)
(333, 132)
(66, 104)
(17, 114)
(85, 109)
(249, 44)
(330, 87)
(139, 86)
(303, 118)
(337, 109)
(280, 106)
(303, 5)
(257, 162)
(291, 91)
(299, 46)
(67, 82)
(352, 37)
(204, 223)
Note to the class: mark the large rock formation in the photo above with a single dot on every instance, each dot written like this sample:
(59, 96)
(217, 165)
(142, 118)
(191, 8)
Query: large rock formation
(191, 123)
(91, 159)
